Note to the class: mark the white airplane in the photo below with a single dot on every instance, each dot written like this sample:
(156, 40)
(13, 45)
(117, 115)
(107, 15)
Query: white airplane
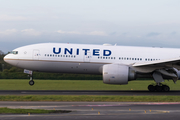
(117, 64)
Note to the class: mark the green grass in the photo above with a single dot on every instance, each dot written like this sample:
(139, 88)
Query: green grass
(26, 111)
(14, 84)
(90, 98)
(83, 85)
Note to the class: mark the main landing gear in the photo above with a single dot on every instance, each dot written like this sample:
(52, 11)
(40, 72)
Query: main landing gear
(158, 88)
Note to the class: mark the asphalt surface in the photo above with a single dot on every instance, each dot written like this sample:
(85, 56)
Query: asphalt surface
(96, 110)
(84, 92)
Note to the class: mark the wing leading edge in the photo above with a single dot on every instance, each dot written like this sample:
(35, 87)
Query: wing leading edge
(169, 63)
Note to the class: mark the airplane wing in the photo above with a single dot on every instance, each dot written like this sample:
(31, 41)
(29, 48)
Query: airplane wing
(167, 63)
(164, 67)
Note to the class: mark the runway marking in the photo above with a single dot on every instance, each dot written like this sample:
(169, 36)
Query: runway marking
(23, 92)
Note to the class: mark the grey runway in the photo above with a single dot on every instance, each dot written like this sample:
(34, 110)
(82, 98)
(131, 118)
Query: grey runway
(84, 92)
(96, 110)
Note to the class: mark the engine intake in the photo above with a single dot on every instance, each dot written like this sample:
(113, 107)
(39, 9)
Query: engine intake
(117, 74)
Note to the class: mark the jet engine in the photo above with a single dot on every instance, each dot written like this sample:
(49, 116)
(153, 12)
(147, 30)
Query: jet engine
(117, 74)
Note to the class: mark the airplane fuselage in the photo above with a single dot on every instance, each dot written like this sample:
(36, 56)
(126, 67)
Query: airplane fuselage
(80, 58)
(117, 64)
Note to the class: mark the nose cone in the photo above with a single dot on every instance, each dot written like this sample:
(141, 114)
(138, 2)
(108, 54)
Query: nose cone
(9, 58)
(6, 58)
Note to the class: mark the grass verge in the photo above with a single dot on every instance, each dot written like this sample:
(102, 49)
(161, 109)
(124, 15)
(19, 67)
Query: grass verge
(15, 84)
(90, 98)
(26, 111)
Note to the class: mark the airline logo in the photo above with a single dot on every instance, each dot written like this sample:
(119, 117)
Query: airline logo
(70, 51)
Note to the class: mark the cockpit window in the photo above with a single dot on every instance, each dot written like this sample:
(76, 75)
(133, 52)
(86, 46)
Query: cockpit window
(14, 52)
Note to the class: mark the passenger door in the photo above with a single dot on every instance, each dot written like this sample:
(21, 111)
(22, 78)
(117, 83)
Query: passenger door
(87, 58)
(36, 54)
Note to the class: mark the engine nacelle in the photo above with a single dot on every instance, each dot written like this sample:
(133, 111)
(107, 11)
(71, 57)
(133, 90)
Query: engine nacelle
(117, 74)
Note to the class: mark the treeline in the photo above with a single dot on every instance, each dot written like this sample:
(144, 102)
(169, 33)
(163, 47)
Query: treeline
(10, 72)
(51, 76)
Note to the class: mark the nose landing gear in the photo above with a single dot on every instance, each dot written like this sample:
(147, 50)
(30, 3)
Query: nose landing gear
(30, 74)
(31, 82)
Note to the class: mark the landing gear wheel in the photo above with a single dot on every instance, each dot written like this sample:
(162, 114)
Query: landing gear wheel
(166, 88)
(159, 88)
(151, 88)
(31, 82)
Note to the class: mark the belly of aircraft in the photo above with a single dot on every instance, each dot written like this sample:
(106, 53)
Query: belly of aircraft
(62, 67)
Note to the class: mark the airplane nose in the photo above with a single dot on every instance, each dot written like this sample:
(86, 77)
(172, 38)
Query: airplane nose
(5, 58)
(10, 59)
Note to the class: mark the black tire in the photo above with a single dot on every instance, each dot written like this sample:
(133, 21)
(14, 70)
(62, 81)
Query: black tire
(151, 88)
(159, 88)
(166, 88)
(31, 82)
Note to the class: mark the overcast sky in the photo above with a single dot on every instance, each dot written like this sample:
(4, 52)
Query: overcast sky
(122, 22)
